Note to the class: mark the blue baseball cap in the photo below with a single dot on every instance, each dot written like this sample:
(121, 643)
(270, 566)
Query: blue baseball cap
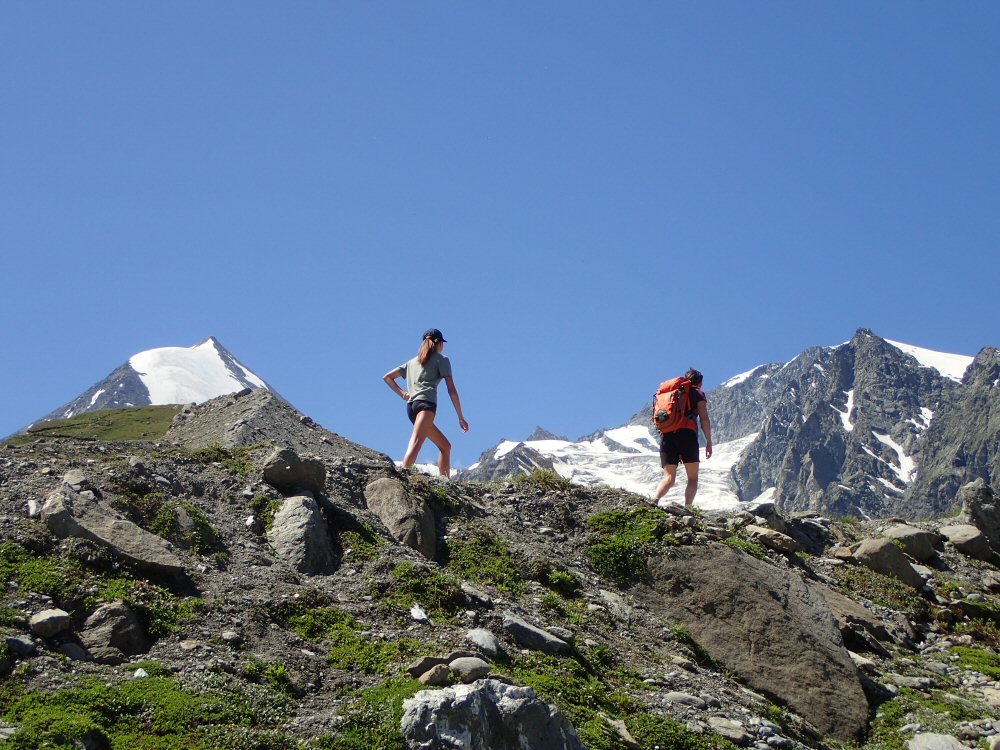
(434, 335)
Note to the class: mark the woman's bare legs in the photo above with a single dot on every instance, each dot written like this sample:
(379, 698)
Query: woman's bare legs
(424, 428)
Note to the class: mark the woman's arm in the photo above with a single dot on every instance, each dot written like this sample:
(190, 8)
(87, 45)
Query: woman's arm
(706, 427)
(453, 392)
(390, 380)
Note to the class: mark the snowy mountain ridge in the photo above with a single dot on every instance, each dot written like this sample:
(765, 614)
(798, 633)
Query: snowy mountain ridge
(166, 375)
(842, 427)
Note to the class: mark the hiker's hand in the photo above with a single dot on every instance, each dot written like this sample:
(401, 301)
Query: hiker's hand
(708, 449)
(464, 425)
(405, 396)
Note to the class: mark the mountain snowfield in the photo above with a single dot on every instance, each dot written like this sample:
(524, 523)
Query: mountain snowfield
(177, 375)
(627, 457)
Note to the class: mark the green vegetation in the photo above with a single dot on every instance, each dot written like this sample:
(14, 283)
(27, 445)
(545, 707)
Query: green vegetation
(486, 558)
(883, 590)
(564, 583)
(937, 712)
(152, 668)
(372, 720)
(159, 611)
(155, 713)
(349, 649)
(625, 541)
(586, 698)
(660, 732)
(186, 526)
(362, 541)
(546, 479)
(272, 674)
(265, 509)
(12, 617)
(438, 593)
(53, 577)
(131, 423)
(683, 636)
(978, 660)
(236, 459)
(553, 601)
(745, 545)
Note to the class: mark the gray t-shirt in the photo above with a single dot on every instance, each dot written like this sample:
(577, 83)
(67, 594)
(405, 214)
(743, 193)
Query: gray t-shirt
(422, 380)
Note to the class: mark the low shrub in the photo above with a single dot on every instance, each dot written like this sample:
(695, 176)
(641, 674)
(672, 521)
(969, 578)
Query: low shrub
(625, 541)
(545, 478)
(486, 558)
(372, 720)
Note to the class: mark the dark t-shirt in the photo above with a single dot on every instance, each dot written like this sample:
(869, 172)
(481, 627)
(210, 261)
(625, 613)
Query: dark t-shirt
(697, 396)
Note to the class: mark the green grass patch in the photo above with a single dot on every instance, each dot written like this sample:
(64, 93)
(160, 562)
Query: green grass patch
(546, 479)
(155, 713)
(883, 590)
(274, 674)
(10, 617)
(266, 508)
(745, 545)
(563, 582)
(372, 720)
(652, 731)
(625, 541)
(130, 423)
(51, 576)
(362, 541)
(978, 660)
(486, 558)
(235, 459)
(188, 527)
(159, 611)
(348, 648)
(440, 594)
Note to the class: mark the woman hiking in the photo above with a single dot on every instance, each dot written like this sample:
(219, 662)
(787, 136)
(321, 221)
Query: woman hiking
(423, 373)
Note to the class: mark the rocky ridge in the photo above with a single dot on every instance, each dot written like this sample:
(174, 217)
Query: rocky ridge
(350, 604)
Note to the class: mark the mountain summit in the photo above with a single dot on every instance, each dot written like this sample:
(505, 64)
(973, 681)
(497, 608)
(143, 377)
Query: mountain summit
(168, 375)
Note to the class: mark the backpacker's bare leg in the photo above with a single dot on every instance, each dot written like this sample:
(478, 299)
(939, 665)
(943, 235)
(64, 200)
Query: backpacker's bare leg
(692, 486)
(669, 476)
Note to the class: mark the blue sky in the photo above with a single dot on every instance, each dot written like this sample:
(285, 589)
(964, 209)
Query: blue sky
(586, 198)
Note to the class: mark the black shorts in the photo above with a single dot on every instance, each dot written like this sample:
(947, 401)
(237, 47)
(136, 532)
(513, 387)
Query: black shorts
(413, 408)
(680, 444)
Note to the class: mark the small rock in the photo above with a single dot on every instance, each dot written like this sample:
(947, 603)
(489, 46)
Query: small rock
(685, 699)
(231, 637)
(437, 676)
(469, 668)
(140, 674)
(49, 622)
(484, 640)
(424, 664)
(931, 741)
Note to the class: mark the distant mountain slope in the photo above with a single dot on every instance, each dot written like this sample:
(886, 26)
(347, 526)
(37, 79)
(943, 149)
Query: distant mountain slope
(169, 375)
(869, 427)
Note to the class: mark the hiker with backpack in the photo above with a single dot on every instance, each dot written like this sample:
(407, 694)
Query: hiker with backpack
(678, 407)
(423, 373)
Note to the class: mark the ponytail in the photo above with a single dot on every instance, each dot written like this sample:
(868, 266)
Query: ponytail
(427, 347)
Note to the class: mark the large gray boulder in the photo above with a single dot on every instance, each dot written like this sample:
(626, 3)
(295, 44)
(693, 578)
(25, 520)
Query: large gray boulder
(486, 715)
(981, 508)
(300, 537)
(408, 518)
(112, 633)
(766, 625)
(883, 556)
(968, 540)
(917, 543)
(68, 513)
(289, 474)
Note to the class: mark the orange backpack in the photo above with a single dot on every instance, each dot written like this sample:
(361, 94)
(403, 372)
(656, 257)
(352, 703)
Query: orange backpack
(672, 405)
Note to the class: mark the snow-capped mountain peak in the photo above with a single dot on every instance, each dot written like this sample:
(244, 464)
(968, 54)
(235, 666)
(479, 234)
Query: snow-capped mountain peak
(166, 375)
(177, 375)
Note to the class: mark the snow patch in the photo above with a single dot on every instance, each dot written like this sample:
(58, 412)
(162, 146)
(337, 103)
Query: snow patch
(951, 366)
(504, 448)
(743, 376)
(93, 399)
(845, 416)
(177, 375)
(907, 466)
(926, 415)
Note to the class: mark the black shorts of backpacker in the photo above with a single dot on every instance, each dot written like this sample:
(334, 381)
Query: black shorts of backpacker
(681, 444)
(413, 408)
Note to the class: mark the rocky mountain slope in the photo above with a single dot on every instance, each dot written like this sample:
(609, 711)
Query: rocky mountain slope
(169, 375)
(865, 428)
(252, 580)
